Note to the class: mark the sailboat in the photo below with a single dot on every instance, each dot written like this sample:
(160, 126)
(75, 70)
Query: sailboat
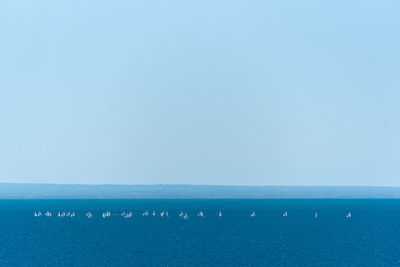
(316, 215)
(73, 214)
(185, 217)
(48, 214)
(154, 213)
(285, 214)
(200, 214)
(219, 214)
(89, 215)
(253, 214)
(348, 216)
(181, 214)
(162, 214)
(166, 213)
(146, 213)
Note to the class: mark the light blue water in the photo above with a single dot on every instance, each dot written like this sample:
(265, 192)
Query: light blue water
(371, 237)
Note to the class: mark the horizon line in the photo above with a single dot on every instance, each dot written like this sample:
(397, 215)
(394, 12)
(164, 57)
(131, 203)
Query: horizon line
(224, 185)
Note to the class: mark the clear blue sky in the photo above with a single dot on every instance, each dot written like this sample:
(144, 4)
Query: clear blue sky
(200, 92)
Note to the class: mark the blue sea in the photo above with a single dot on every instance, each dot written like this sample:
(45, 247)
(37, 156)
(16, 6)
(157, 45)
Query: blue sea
(371, 237)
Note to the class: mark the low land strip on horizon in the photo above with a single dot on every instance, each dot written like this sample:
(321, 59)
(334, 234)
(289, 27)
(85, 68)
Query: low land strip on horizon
(77, 191)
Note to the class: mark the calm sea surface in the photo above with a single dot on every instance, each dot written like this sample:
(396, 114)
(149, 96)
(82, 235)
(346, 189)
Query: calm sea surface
(371, 237)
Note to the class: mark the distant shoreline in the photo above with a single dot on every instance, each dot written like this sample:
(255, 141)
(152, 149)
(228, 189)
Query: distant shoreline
(109, 191)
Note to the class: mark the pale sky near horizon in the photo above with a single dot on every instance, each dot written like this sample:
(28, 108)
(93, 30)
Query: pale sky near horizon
(200, 92)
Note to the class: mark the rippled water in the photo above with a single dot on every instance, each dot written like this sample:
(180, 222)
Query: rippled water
(371, 237)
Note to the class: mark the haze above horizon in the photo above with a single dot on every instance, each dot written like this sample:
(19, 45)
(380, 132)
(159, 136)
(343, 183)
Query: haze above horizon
(173, 92)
